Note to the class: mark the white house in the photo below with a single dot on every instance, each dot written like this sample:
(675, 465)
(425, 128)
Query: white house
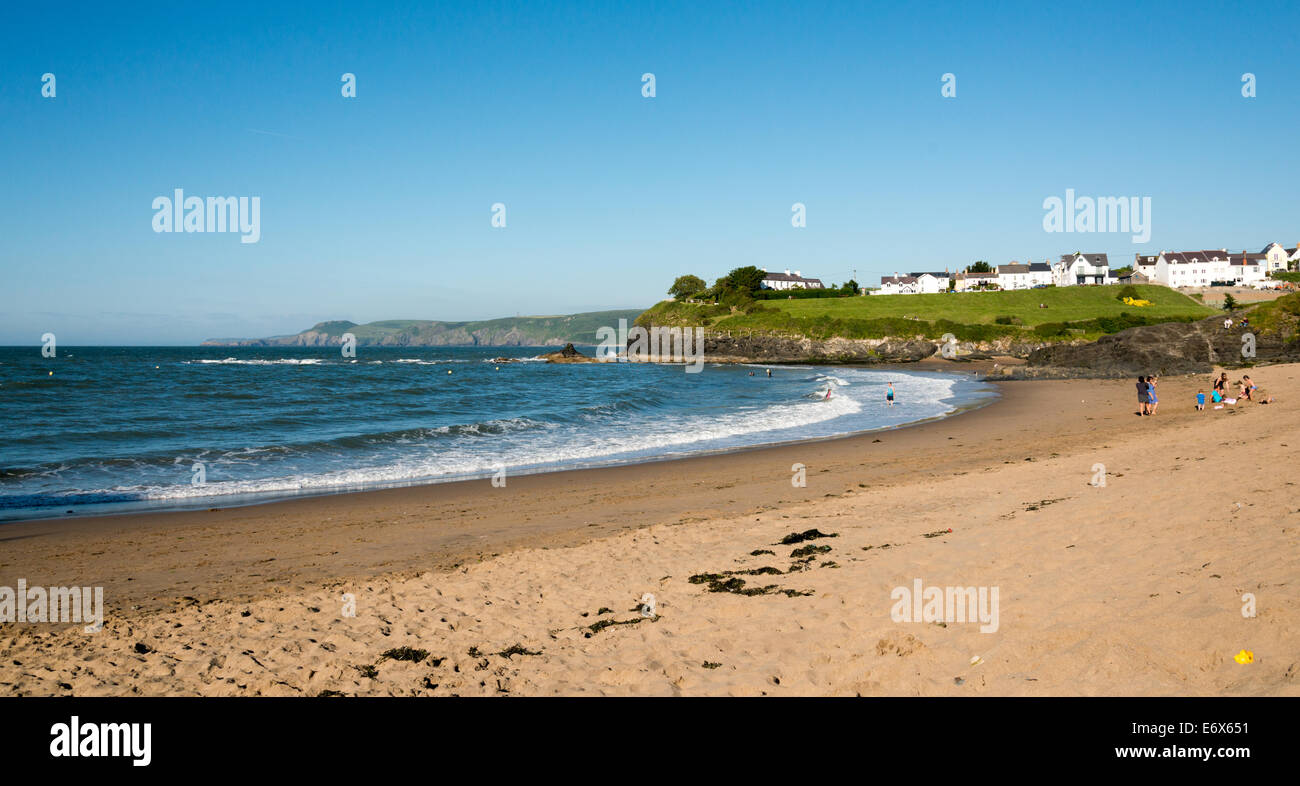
(1192, 268)
(1276, 257)
(1209, 268)
(913, 284)
(788, 280)
(966, 282)
(1082, 269)
(1026, 276)
(932, 283)
(1248, 269)
(1146, 265)
(1293, 255)
(898, 285)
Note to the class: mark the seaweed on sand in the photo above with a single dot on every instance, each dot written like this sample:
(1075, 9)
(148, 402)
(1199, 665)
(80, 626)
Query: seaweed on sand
(808, 534)
(597, 627)
(406, 653)
(718, 583)
(517, 649)
(808, 551)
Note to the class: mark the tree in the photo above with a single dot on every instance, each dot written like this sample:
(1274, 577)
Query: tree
(744, 279)
(980, 267)
(850, 287)
(685, 286)
(1229, 302)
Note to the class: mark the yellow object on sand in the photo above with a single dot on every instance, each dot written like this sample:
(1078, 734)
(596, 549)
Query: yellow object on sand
(1244, 657)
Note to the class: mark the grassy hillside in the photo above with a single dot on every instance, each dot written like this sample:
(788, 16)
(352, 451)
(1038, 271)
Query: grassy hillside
(506, 331)
(1064, 304)
(1071, 312)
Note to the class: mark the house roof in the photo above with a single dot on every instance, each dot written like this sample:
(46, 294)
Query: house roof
(944, 274)
(898, 279)
(1246, 259)
(1039, 267)
(1014, 267)
(1270, 245)
(1194, 257)
(1096, 260)
(784, 277)
(1145, 259)
(977, 275)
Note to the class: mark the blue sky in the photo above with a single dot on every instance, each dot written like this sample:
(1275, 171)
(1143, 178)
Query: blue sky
(379, 207)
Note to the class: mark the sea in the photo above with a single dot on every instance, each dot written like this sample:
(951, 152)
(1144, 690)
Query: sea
(99, 430)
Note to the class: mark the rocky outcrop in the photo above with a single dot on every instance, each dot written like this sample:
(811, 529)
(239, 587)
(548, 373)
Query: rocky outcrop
(568, 355)
(1168, 348)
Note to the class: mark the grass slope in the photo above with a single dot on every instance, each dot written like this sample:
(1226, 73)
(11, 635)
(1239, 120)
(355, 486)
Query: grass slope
(1071, 313)
(1064, 304)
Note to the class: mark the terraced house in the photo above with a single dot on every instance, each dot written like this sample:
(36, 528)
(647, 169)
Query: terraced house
(1208, 268)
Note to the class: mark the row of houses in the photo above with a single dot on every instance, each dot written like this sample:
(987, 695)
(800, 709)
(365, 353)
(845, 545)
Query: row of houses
(788, 280)
(1170, 268)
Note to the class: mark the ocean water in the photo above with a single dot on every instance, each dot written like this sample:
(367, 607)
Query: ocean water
(123, 428)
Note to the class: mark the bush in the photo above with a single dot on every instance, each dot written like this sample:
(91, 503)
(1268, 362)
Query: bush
(1128, 291)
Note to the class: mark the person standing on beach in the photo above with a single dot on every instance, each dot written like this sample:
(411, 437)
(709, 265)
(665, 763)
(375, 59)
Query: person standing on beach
(1144, 400)
(1151, 394)
(889, 395)
(1221, 384)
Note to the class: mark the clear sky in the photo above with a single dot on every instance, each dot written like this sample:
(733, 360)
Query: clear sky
(379, 206)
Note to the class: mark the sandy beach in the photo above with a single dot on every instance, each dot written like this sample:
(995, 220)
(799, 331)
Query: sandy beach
(1134, 587)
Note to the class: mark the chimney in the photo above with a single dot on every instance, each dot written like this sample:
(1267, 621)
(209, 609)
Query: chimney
(798, 274)
(895, 274)
(787, 271)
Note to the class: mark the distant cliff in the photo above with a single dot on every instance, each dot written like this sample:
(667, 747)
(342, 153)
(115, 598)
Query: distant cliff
(504, 332)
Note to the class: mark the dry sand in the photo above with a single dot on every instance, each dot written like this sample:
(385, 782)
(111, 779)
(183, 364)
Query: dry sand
(1134, 587)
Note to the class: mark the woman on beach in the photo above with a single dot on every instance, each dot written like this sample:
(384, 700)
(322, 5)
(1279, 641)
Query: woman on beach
(1151, 394)
(1143, 396)
(1221, 384)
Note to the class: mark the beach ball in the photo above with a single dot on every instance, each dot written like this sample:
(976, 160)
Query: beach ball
(1244, 657)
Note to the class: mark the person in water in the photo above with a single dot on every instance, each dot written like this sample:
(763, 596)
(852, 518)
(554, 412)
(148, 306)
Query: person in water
(769, 372)
(889, 395)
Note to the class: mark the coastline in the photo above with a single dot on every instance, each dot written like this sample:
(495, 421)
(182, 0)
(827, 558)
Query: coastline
(1104, 590)
(114, 539)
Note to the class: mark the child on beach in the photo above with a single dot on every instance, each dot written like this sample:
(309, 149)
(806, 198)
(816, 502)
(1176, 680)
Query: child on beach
(1247, 389)
(889, 394)
(1200, 399)
(1151, 394)
(1144, 400)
